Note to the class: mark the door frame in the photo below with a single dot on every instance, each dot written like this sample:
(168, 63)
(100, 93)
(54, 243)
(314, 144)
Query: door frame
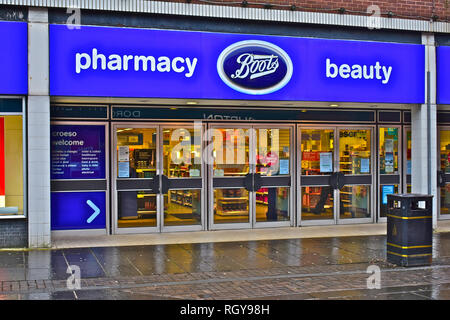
(251, 224)
(292, 162)
(400, 167)
(202, 226)
(319, 222)
(336, 193)
(210, 187)
(114, 179)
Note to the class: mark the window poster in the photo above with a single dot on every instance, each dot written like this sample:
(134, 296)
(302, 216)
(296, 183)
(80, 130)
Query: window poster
(385, 190)
(326, 162)
(389, 162)
(124, 170)
(78, 152)
(194, 172)
(284, 166)
(389, 145)
(365, 165)
(124, 153)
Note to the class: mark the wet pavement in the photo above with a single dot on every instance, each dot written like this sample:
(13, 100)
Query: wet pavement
(320, 268)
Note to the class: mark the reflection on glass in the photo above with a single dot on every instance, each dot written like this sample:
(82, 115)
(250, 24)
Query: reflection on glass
(355, 202)
(272, 204)
(388, 150)
(384, 191)
(11, 186)
(317, 203)
(136, 153)
(231, 206)
(317, 152)
(136, 209)
(231, 152)
(182, 153)
(354, 149)
(272, 151)
(182, 207)
(445, 150)
(445, 200)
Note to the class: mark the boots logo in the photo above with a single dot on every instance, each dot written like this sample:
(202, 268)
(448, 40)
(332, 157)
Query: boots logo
(254, 67)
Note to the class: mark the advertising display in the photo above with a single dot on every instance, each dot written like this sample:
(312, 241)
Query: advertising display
(443, 75)
(78, 210)
(150, 63)
(14, 58)
(78, 152)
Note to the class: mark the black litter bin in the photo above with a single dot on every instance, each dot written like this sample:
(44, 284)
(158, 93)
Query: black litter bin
(409, 229)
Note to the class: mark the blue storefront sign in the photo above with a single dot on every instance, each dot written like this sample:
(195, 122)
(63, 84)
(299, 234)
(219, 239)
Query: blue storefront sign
(78, 152)
(78, 210)
(443, 75)
(13, 58)
(199, 65)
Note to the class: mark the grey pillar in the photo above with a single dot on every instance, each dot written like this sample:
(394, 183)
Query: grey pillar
(424, 129)
(38, 129)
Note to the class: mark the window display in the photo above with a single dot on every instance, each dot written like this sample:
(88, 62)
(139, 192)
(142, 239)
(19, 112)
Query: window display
(11, 166)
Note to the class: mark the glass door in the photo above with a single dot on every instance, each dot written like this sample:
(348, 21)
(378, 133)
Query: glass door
(444, 174)
(356, 166)
(272, 191)
(336, 175)
(158, 178)
(181, 180)
(317, 165)
(251, 176)
(389, 144)
(230, 175)
(136, 178)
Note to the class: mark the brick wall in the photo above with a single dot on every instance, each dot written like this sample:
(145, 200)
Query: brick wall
(13, 233)
(409, 9)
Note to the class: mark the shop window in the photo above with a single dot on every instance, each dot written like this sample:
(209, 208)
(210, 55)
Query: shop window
(11, 166)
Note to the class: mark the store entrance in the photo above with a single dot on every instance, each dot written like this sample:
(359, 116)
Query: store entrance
(336, 175)
(157, 178)
(250, 176)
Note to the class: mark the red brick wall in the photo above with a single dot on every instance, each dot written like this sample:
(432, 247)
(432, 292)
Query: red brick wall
(409, 9)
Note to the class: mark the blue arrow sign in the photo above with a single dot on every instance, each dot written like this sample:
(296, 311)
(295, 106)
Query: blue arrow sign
(96, 211)
(78, 210)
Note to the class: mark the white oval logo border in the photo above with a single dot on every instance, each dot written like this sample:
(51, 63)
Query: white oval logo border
(257, 43)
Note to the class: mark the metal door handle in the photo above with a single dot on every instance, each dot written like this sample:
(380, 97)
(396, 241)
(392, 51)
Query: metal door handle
(248, 182)
(165, 184)
(441, 178)
(337, 180)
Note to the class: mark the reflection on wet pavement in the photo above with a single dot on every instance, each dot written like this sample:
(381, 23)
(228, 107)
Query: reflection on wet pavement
(202, 257)
(179, 259)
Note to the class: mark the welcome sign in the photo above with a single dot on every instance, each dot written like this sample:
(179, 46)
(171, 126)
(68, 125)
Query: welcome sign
(145, 63)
